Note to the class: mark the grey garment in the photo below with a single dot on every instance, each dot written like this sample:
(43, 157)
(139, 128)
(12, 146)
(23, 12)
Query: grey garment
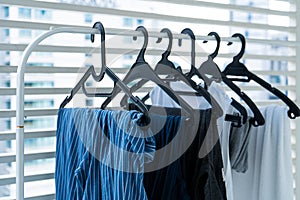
(238, 147)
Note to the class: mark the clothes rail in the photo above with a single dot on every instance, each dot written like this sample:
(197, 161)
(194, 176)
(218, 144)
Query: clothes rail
(20, 84)
(154, 34)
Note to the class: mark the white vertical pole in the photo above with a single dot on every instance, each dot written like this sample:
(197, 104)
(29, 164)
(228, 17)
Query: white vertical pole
(20, 103)
(20, 136)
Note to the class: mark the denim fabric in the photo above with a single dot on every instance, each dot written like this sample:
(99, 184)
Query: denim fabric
(189, 177)
(114, 138)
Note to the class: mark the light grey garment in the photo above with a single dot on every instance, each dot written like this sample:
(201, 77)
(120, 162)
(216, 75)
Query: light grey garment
(238, 146)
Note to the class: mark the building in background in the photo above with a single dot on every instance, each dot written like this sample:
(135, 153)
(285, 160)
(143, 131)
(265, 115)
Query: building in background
(5, 103)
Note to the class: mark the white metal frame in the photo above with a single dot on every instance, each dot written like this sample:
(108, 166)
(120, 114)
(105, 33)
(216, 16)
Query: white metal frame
(20, 104)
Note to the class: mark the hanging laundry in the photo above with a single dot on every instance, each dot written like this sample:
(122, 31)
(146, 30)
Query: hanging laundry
(270, 174)
(101, 154)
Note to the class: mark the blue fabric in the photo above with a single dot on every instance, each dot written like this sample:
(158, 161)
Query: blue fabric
(69, 153)
(101, 154)
(167, 183)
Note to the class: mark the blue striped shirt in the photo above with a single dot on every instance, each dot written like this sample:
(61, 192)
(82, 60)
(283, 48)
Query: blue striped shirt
(101, 154)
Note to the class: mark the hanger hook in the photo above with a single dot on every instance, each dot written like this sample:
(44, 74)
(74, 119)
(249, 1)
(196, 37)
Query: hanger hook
(141, 56)
(218, 39)
(100, 27)
(243, 41)
(193, 41)
(170, 36)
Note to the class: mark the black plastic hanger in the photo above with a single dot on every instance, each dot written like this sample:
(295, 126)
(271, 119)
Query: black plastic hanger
(258, 119)
(236, 68)
(166, 67)
(211, 72)
(209, 69)
(193, 71)
(104, 70)
(162, 67)
(142, 70)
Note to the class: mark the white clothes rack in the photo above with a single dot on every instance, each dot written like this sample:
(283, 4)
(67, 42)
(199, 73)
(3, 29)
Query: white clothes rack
(20, 83)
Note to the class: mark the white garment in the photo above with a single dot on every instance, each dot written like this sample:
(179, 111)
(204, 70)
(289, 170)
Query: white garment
(160, 98)
(269, 175)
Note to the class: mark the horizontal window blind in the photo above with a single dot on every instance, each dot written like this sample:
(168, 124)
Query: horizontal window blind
(55, 66)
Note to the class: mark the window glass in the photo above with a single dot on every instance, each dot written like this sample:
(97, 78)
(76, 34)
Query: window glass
(24, 33)
(24, 12)
(42, 14)
(88, 18)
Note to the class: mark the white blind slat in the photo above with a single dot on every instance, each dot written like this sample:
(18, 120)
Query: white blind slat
(137, 14)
